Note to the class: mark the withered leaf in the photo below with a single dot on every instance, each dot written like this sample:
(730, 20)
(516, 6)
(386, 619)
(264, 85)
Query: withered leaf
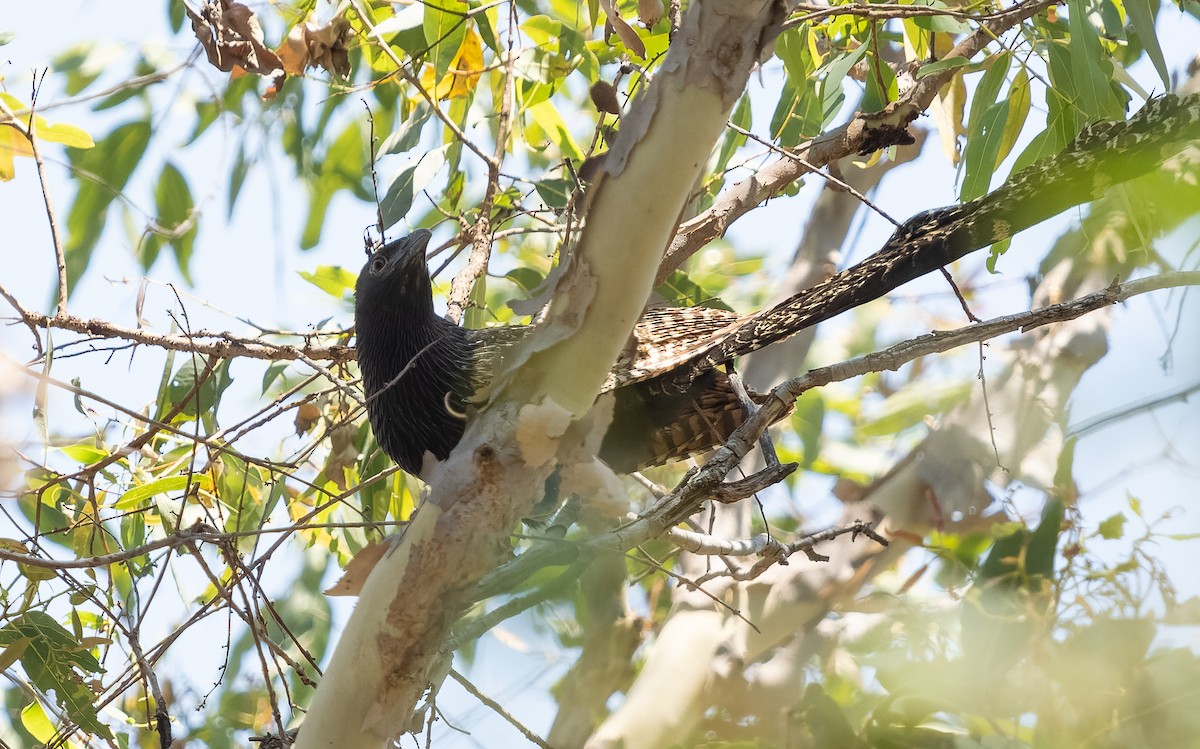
(604, 96)
(351, 581)
(649, 11)
(309, 45)
(232, 37)
(623, 30)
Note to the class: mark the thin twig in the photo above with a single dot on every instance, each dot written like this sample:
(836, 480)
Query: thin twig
(498, 709)
(481, 233)
(60, 257)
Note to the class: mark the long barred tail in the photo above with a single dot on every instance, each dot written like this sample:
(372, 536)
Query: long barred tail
(1103, 155)
(654, 427)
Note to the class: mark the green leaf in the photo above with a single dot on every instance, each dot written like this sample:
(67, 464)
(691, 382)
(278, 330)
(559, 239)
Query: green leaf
(194, 401)
(911, 404)
(1064, 471)
(733, 140)
(836, 70)
(477, 314)
(69, 135)
(987, 91)
(825, 720)
(83, 63)
(552, 126)
(134, 498)
(84, 453)
(1112, 527)
(995, 252)
(791, 47)
(799, 114)
(343, 166)
(39, 725)
(487, 22)
(398, 198)
(1018, 112)
(981, 155)
(544, 32)
(406, 137)
(680, 290)
(173, 200)
(6, 37)
(334, 280)
(1001, 560)
(882, 87)
(1039, 559)
(104, 170)
(807, 421)
(526, 279)
(175, 15)
(237, 177)
(555, 193)
(53, 660)
(1063, 114)
(1091, 66)
(945, 24)
(948, 63)
(274, 370)
(445, 27)
(240, 488)
(1141, 17)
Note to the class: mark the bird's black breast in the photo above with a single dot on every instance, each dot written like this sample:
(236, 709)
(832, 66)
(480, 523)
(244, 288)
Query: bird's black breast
(417, 376)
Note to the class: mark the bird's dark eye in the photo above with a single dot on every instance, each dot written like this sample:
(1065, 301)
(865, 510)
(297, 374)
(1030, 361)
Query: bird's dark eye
(378, 263)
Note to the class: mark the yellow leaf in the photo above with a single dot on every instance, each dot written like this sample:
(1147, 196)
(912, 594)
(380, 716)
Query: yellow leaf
(35, 720)
(61, 132)
(14, 143)
(464, 70)
(7, 168)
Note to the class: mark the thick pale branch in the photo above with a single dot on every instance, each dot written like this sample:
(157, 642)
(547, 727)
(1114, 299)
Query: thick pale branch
(390, 649)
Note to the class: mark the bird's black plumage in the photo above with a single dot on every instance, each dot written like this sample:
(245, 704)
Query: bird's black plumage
(417, 367)
(420, 370)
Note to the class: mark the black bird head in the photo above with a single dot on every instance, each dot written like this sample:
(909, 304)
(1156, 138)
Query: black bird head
(395, 279)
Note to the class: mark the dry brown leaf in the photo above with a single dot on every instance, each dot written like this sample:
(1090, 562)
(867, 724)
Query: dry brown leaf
(309, 45)
(649, 11)
(604, 96)
(351, 581)
(624, 31)
(232, 37)
(307, 416)
(343, 454)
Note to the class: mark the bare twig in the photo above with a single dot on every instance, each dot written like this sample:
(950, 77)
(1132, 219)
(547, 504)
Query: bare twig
(498, 709)
(25, 315)
(481, 232)
(28, 129)
(203, 342)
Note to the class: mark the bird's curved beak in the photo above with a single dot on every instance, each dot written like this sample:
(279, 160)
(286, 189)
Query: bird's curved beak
(411, 249)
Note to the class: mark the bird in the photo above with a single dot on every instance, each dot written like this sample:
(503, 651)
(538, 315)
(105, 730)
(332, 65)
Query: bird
(420, 371)
(673, 395)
